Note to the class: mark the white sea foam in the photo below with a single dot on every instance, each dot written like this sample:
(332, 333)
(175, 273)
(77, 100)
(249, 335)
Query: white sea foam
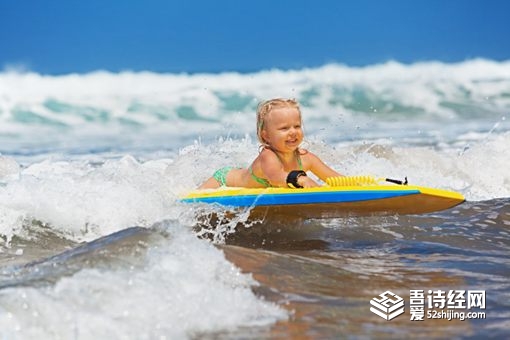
(333, 92)
(186, 287)
(83, 200)
(8, 167)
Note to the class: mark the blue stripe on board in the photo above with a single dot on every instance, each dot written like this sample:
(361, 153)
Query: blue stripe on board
(300, 198)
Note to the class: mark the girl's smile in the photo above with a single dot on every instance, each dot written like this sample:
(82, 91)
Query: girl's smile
(282, 129)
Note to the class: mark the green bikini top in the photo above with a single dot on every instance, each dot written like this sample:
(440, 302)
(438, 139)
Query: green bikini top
(264, 181)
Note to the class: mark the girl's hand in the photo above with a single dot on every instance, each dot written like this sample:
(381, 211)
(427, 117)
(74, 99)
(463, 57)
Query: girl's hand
(306, 182)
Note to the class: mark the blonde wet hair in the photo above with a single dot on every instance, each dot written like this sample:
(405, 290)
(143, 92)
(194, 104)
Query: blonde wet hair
(265, 107)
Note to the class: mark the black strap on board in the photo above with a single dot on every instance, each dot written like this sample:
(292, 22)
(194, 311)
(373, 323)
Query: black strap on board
(396, 181)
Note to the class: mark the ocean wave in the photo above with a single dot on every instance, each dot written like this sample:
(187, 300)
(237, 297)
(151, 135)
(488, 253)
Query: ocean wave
(428, 91)
(177, 287)
(84, 199)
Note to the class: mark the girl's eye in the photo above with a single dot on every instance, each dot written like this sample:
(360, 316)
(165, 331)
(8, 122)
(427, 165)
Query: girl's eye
(285, 128)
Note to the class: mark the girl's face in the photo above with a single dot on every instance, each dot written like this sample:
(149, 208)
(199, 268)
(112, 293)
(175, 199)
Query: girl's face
(282, 129)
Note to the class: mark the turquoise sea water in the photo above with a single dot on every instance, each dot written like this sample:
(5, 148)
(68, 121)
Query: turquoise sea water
(95, 243)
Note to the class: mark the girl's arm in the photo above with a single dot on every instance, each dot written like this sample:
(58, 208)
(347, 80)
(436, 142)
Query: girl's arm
(319, 168)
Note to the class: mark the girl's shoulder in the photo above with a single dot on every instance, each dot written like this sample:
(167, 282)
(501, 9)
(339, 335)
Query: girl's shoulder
(308, 157)
(303, 152)
(266, 152)
(266, 155)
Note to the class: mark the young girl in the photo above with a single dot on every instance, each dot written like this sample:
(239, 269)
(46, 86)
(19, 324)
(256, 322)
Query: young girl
(281, 163)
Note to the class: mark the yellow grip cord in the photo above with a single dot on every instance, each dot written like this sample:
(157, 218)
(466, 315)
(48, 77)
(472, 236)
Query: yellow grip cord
(344, 181)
